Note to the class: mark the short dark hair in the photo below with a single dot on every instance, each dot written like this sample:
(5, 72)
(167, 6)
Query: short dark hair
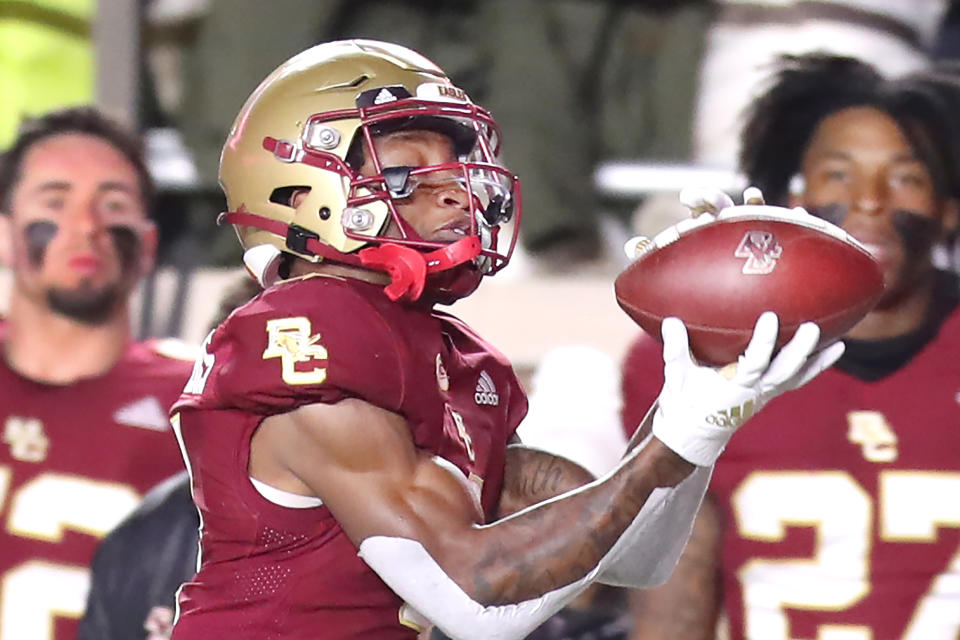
(83, 120)
(806, 89)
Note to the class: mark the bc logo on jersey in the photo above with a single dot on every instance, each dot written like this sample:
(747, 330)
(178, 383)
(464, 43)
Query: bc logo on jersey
(26, 438)
(874, 434)
(290, 340)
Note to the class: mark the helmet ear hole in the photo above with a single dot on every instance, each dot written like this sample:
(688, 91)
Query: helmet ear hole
(286, 195)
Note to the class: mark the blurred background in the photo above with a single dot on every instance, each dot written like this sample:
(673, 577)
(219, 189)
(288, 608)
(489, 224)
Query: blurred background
(608, 108)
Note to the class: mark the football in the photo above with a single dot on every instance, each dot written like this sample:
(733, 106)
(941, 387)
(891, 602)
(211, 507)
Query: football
(718, 275)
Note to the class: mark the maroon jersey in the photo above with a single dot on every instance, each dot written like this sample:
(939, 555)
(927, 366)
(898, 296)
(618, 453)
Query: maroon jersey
(74, 461)
(841, 502)
(270, 571)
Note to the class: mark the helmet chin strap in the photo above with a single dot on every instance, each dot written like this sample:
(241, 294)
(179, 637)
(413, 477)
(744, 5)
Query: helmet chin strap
(408, 268)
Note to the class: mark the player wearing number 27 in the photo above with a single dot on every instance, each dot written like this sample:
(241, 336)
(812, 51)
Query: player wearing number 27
(838, 515)
(82, 407)
(352, 448)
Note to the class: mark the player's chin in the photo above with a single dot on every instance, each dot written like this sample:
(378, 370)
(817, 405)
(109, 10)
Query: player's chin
(898, 269)
(901, 281)
(86, 303)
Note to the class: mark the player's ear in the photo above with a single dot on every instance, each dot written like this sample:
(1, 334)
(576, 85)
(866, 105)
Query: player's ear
(795, 191)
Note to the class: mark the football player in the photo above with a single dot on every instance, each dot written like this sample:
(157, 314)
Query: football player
(352, 447)
(82, 407)
(838, 515)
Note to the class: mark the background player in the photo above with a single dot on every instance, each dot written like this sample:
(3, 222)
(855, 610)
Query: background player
(140, 565)
(837, 515)
(338, 410)
(83, 410)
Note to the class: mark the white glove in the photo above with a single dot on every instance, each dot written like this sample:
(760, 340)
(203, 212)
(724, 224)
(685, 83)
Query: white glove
(699, 408)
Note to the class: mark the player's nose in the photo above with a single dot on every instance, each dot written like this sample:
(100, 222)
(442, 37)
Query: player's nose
(870, 196)
(453, 196)
(83, 218)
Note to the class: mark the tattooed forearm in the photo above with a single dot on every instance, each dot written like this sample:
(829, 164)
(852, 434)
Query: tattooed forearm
(544, 479)
(533, 476)
(499, 580)
(524, 561)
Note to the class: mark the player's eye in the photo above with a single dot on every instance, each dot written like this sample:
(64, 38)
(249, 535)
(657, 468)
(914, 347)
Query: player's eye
(116, 206)
(913, 179)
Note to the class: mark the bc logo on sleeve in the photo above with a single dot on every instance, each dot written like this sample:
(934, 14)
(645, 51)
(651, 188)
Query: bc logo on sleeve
(291, 340)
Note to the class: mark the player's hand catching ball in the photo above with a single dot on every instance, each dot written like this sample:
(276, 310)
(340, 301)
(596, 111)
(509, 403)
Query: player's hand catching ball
(699, 408)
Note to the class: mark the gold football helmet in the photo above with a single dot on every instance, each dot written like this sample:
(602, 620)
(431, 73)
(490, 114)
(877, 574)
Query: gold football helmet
(302, 131)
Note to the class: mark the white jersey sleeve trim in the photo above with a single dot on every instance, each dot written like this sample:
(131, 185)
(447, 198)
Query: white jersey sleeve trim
(285, 498)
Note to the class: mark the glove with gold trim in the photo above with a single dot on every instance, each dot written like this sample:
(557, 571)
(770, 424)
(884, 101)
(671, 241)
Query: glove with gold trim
(700, 408)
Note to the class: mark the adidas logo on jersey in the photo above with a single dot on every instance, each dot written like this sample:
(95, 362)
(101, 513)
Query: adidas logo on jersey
(146, 413)
(486, 391)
